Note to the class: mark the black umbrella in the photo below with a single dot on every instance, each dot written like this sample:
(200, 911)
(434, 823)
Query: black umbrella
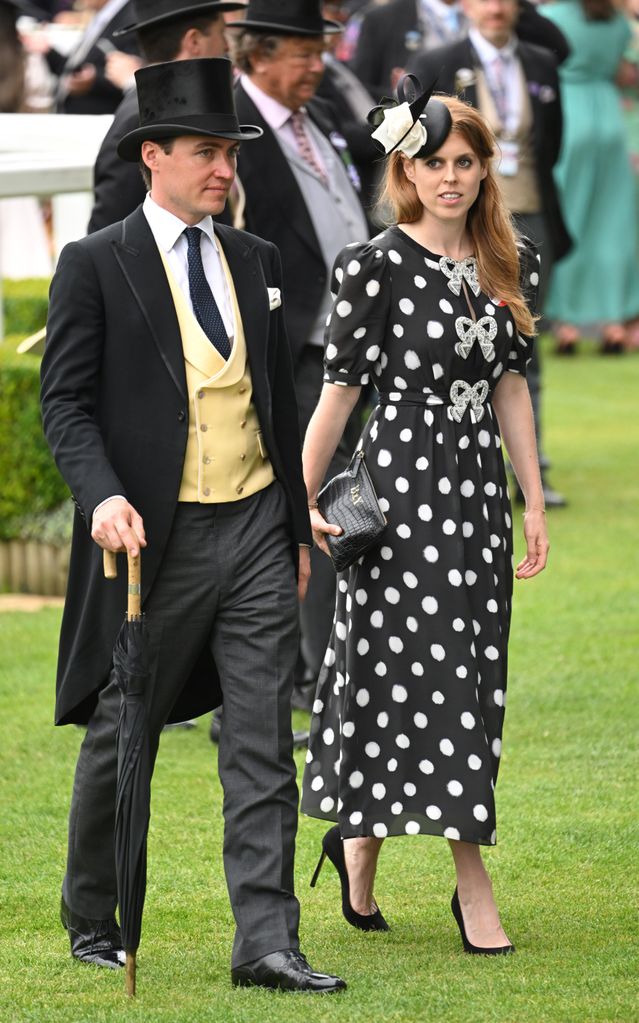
(133, 796)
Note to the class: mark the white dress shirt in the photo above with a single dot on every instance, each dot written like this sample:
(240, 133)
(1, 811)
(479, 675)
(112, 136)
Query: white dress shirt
(168, 231)
(487, 53)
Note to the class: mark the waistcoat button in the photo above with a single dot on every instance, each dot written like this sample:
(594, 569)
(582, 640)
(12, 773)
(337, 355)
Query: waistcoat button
(204, 428)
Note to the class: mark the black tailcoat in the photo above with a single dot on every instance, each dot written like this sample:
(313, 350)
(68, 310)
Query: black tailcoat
(356, 131)
(276, 209)
(115, 413)
(540, 71)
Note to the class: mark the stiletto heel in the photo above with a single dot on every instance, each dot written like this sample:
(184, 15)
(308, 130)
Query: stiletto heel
(468, 947)
(332, 846)
(317, 869)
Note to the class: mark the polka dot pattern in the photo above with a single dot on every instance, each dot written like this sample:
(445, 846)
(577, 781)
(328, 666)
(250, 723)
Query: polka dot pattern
(408, 715)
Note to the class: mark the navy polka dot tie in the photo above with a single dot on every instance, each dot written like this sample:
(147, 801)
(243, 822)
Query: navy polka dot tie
(204, 305)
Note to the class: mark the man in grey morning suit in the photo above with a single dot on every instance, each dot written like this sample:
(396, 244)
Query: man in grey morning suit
(168, 401)
(301, 195)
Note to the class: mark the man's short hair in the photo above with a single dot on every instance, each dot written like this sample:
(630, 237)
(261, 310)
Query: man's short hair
(162, 42)
(253, 44)
(167, 146)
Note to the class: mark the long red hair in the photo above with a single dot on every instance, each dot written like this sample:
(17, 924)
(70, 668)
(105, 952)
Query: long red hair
(494, 239)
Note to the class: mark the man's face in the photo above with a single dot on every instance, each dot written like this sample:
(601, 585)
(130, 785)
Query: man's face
(494, 19)
(193, 180)
(292, 74)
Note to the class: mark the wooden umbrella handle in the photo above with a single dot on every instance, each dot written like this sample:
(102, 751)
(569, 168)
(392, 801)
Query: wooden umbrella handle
(110, 565)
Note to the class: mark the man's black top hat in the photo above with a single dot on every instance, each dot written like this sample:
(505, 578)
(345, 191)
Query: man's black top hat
(153, 12)
(286, 17)
(185, 97)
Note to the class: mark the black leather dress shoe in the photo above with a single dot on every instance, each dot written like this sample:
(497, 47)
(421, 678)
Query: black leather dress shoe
(93, 941)
(287, 971)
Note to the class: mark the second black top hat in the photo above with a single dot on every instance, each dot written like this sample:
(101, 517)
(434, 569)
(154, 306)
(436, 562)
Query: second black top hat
(286, 17)
(185, 97)
(153, 12)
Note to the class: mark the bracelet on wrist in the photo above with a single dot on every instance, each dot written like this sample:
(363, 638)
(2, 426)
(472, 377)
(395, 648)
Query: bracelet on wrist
(312, 505)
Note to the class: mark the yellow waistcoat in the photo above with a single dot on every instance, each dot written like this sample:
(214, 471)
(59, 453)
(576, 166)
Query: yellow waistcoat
(225, 456)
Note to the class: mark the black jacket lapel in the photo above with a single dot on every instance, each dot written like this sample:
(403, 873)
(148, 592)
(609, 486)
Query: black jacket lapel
(252, 297)
(139, 259)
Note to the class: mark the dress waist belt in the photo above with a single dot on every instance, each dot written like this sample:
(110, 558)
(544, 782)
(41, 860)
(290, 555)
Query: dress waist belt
(460, 396)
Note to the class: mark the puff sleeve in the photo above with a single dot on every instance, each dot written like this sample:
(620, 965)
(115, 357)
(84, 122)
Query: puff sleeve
(356, 327)
(529, 267)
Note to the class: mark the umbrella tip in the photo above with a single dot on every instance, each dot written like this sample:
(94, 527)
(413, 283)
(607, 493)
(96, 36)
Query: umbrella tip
(130, 974)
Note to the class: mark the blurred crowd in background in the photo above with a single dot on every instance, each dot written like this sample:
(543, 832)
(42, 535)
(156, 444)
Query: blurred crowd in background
(65, 56)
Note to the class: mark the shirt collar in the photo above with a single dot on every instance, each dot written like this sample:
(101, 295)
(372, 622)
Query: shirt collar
(167, 228)
(274, 113)
(486, 51)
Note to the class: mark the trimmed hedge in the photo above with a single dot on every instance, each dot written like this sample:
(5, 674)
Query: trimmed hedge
(25, 305)
(30, 483)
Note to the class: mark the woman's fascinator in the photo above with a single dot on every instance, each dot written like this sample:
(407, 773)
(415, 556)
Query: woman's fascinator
(413, 123)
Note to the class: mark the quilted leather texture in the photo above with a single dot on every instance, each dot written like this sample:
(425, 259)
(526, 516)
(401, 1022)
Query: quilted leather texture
(349, 500)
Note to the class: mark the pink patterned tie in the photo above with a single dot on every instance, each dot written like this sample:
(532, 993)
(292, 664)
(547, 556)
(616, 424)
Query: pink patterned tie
(304, 144)
(499, 90)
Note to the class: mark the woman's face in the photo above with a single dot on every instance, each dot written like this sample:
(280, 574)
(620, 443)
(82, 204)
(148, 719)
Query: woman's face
(447, 182)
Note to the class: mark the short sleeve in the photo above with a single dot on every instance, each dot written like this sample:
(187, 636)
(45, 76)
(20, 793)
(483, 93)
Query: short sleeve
(356, 327)
(529, 265)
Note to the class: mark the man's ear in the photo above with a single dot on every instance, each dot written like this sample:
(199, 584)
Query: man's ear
(191, 44)
(149, 155)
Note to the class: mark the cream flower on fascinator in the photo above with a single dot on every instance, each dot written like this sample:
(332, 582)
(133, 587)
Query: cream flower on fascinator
(398, 130)
(413, 123)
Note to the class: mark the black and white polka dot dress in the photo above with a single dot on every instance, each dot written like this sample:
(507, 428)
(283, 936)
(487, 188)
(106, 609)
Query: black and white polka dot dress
(407, 722)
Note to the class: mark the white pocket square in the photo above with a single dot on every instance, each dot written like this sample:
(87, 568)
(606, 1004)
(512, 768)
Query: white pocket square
(274, 298)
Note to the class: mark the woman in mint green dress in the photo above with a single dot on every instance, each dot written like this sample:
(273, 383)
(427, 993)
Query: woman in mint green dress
(598, 282)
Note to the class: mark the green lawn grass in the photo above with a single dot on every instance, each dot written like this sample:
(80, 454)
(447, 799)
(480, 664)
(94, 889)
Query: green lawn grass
(565, 868)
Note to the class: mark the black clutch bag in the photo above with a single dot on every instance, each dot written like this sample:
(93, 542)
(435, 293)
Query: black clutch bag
(349, 500)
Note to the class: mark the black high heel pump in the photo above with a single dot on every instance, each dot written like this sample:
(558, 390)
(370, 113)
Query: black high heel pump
(332, 846)
(476, 950)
